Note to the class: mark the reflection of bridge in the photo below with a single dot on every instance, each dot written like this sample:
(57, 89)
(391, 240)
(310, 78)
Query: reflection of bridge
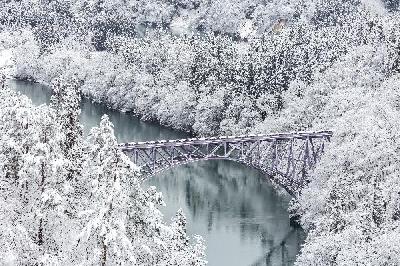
(284, 158)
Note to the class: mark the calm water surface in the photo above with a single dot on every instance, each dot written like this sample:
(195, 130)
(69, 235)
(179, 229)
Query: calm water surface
(243, 220)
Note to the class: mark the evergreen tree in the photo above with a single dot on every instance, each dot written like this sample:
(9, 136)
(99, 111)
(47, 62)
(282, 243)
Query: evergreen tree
(122, 224)
(108, 170)
(66, 103)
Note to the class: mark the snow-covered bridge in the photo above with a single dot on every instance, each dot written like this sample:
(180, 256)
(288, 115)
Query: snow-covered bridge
(284, 158)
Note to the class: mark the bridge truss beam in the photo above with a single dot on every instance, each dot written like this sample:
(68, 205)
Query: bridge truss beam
(285, 158)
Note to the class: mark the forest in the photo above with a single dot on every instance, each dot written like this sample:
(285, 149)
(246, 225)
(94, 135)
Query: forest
(222, 67)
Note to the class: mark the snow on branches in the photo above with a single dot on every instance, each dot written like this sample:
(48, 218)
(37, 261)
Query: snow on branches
(97, 214)
(210, 67)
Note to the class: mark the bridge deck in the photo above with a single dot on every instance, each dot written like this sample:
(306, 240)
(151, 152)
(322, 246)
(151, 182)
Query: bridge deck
(231, 139)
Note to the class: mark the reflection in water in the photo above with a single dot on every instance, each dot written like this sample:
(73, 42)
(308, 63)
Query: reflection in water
(241, 216)
(281, 253)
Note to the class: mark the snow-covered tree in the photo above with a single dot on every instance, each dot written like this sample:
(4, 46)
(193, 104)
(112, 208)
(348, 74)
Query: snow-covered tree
(122, 224)
(260, 66)
(18, 245)
(43, 209)
(108, 171)
(66, 103)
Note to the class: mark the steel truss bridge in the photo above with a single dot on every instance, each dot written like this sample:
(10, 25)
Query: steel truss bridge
(286, 158)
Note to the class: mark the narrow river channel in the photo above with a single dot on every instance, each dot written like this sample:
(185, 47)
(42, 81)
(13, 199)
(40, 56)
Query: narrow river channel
(243, 220)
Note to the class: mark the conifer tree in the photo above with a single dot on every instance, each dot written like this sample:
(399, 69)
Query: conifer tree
(107, 171)
(66, 103)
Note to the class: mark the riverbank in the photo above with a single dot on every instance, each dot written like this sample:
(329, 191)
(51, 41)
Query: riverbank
(164, 95)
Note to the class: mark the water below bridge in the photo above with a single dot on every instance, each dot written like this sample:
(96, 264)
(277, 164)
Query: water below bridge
(242, 218)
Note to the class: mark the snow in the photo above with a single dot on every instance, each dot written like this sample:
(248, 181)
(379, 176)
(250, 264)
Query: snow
(247, 29)
(375, 6)
(51, 193)
(340, 73)
(7, 65)
(181, 25)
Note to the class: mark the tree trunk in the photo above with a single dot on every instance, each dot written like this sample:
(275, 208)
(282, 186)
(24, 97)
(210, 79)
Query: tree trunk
(40, 232)
(104, 254)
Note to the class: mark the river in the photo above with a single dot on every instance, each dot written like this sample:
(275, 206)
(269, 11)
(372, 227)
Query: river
(242, 218)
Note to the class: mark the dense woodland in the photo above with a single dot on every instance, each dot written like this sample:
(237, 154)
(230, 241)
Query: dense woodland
(67, 200)
(208, 67)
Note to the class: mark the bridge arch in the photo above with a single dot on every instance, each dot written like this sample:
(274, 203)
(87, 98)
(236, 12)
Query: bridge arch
(285, 158)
